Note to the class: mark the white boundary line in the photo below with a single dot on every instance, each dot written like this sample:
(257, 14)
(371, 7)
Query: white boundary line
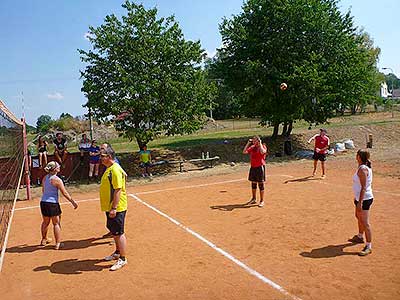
(62, 203)
(219, 250)
(3, 251)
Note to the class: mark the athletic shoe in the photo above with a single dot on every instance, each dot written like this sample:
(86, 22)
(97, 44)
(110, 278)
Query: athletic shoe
(252, 201)
(261, 204)
(323, 176)
(113, 256)
(356, 239)
(365, 251)
(58, 246)
(119, 264)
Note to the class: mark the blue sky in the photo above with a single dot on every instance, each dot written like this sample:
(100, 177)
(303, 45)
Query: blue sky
(39, 62)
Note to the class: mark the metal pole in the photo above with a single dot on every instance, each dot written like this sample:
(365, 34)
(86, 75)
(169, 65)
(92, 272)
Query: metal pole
(27, 161)
(90, 124)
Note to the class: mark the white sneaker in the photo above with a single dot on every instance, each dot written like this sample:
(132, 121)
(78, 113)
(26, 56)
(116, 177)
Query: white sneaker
(119, 264)
(261, 204)
(111, 257)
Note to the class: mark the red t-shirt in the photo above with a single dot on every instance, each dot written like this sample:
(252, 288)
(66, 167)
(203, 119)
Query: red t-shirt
(321, 142)
(256, 157)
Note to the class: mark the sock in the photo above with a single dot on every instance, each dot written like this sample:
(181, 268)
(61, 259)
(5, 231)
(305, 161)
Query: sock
(369, 245)
(122, 258)
(360, 235)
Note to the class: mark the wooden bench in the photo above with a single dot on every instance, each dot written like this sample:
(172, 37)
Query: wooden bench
(194, 160)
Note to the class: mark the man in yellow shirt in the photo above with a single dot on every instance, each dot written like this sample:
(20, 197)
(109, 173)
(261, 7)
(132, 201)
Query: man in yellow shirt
(114, 203)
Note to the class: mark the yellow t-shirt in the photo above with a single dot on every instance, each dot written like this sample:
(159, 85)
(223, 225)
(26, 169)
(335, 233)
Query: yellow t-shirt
(144, 156)
(118, 180)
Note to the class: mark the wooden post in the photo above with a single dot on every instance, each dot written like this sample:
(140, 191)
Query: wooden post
(369, 142)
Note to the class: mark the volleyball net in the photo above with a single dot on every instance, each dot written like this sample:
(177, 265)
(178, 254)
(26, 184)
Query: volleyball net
(12, 158)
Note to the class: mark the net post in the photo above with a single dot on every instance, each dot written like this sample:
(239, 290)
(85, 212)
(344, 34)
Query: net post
(27, 161)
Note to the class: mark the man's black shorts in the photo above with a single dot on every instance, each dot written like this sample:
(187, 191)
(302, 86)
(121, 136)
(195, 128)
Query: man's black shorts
(319, 156)
(50, 209)
(257, 174)
(365, 204)
(116, 224)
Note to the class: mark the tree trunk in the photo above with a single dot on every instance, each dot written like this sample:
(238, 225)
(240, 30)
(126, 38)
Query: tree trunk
(289, 129)
(284, 129)
(276, 130)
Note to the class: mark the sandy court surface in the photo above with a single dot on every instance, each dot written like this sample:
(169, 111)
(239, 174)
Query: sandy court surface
(195, 239)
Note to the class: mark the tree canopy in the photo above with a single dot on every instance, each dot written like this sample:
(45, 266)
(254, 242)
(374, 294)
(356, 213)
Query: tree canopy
(144, 75)
(326, 62)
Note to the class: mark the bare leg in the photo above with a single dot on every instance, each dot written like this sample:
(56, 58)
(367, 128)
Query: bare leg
(120, 244)
(315, 167)
(323, 167)
(367, 226)
(57, 229)
(254, 191)
(45, 227)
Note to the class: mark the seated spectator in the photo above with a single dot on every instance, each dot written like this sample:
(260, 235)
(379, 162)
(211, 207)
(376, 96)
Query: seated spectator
(84, 146)
(42, 151)
(60, 148)
(94, 160)
(145, 161)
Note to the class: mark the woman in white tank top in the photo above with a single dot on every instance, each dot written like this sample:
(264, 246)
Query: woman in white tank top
(363, 198)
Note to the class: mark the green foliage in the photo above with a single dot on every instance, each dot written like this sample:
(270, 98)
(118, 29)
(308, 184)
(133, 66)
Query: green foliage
(310, 45)
(143, 74)
(43, 123)
(391, 79)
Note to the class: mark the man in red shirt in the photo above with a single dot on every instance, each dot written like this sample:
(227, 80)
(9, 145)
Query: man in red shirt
(321, 147)
(257, 152)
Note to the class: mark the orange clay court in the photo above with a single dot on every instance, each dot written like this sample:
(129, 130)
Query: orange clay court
(192, 238)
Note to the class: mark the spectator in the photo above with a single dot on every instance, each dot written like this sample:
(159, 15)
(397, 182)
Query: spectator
(60, 148)
(84, 146)
(94, 160)
(42, 151)
(145, 161)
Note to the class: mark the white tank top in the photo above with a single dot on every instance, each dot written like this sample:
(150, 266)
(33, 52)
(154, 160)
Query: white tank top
(368, 184)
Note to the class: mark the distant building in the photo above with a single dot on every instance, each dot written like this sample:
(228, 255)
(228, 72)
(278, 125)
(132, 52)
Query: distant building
(396, 94)
(384, 90)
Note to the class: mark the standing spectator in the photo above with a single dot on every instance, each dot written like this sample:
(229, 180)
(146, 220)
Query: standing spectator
(257, 152)
(84, 146)
(114, 203)
(321, 147)
(145, 161)
(94, 160)
(363, 198)
(42, 151)
(49, 205)
(60, 148)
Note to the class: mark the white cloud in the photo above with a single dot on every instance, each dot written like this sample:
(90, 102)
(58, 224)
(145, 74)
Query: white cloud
(87, 35)
(211, 54)
(55, 96)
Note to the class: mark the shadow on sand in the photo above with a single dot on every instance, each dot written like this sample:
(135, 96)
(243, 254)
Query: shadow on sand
(66, 245)
(74, 266)
(230, 207)
(329, 251)
(303, 179)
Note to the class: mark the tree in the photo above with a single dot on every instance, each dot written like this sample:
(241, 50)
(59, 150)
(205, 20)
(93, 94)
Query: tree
(43, 123)
(144, 75)
(310, 45)
(66, 116)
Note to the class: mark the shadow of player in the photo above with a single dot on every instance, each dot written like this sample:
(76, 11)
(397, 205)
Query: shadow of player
(74, 266)
(230, 207)
(303, 179)
(329, 251)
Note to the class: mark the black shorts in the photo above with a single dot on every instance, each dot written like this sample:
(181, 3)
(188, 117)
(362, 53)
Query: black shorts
(319, 156)
(257, 174)
(116, 224)
(50, 209)
(365, 204)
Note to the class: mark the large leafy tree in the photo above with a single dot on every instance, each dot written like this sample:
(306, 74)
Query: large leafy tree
(310, 45)
(144, 75)
(43, 123)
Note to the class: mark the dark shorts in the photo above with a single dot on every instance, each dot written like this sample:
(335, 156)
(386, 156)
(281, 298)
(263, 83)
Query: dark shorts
(319, 156)
(143, 165)
(257, 174)
(366, 203)
(50, 209)
(116, 224)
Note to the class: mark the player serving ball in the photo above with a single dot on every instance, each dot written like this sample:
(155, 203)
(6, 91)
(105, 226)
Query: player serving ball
(257, 152)
(321, 147)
